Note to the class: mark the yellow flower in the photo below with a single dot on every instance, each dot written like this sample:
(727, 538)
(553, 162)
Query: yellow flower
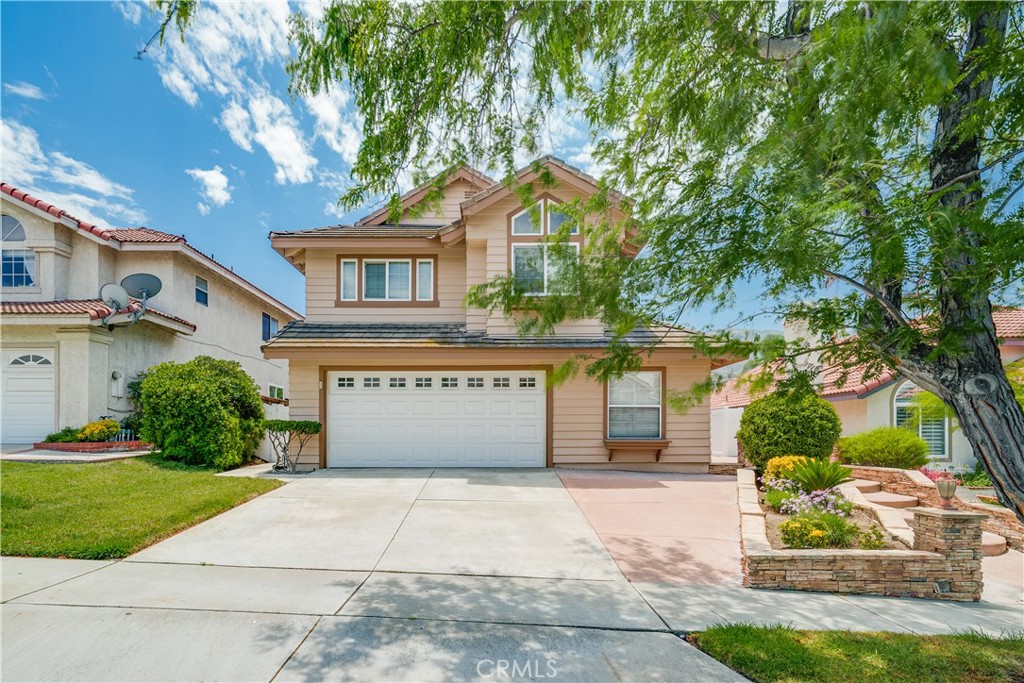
(817, 533)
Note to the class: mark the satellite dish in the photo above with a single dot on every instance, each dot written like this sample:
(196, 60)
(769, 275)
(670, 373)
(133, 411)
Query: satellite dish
(142, 285)
(114, 296)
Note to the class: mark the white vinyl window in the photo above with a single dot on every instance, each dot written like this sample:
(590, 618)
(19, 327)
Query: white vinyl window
(908, 413)
(202, 291)
(543, 218)
(275, 391)
(634, 406)
(536, 267)
(425, 280)
(349, 288)
(387, 280)
(19, 264)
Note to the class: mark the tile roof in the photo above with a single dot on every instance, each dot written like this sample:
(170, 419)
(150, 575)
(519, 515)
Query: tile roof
(1009, 323)
(57, 213)
(143, 235)
(140, 235)
(544, 160)
(387, 230)
(465, 172)
(456, 334)
(94, 308)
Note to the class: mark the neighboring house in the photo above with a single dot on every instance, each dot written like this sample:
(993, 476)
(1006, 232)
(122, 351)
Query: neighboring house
(881, 401)
(62, 366)
(402, 373)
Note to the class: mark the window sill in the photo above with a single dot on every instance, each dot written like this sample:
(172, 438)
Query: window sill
(636, 446)
(338, 303)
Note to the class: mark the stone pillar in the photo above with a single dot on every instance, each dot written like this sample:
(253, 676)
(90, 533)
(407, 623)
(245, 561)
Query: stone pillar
(956, 535)
(83, 377)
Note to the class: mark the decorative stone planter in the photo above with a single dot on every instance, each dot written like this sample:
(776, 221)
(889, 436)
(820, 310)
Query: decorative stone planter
(945, 563)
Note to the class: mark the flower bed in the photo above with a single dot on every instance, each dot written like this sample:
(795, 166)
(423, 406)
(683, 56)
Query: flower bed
(945, 562)
(94, 446)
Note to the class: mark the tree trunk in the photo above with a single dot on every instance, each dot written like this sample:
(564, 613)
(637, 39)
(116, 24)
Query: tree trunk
(976, 388)
(973, 383)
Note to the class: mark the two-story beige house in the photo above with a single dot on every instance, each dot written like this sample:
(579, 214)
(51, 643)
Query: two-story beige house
(403, 374)
(64, 365)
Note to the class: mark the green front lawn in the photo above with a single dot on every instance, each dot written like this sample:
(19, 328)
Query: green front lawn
(109, 510)
(778, 654)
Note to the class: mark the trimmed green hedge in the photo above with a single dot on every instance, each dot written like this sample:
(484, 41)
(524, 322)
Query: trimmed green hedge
(203, 412)
(788, 423)
(885, 447)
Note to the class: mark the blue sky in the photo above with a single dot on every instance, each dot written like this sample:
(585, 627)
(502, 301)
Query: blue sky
(200, 138)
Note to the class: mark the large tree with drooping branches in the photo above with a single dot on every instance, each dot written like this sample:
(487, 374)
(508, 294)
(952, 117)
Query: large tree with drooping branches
(859, 162)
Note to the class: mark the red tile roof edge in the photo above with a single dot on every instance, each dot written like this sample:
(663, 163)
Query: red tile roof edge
(94, 308)
(1009, 323)
(158, 236)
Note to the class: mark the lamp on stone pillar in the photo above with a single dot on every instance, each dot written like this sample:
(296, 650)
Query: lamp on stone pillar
(946, 489)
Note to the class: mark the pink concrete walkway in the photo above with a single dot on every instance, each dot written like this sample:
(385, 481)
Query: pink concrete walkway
(671, 528)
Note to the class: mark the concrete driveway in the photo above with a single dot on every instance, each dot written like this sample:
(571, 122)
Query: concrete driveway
(355, 575)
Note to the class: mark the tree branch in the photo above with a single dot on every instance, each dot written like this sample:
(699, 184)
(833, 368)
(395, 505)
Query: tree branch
(891, 309)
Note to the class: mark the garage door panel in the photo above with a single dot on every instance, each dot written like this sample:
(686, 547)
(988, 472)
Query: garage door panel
(441, 419)
(29, 396)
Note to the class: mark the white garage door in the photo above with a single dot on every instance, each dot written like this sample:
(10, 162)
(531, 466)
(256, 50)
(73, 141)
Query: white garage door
(29, 394)
(436, 419)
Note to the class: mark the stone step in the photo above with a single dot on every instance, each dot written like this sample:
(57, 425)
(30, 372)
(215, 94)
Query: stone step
(992, 544)
(892, 500)
(865, 485)
(908, 515)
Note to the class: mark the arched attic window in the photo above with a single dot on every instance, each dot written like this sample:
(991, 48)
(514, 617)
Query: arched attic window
(18, 262)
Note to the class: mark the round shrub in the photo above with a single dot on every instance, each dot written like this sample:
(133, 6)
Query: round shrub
(100, 430)
(885, 447)
(785, 423)
(203, 412)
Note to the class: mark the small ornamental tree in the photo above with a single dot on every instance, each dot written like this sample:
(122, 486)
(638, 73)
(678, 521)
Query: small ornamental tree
(281, 433)
(203, 412)
(788, 423)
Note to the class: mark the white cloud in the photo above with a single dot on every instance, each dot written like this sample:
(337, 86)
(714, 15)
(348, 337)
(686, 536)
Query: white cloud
(332, 124)
(131, 10)
(26, 90)
(69, 171)
(203, 209)
(215, 187)
(225, 54)
(238, 124)
(176, 82)
(64, 181)
(332, 209)
(276, 130)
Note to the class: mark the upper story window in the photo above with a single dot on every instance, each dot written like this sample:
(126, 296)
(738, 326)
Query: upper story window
(19, 262)
(543, 218)
(928, 421)
(378, 281)
(202, 291)
(269, 327)
(634, 406)
(537, 267)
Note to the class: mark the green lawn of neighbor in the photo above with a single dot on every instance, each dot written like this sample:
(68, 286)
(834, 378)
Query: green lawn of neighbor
(109, 510)
(777, 654)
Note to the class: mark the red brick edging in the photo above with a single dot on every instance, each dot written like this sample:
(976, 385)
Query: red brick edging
(94, 446)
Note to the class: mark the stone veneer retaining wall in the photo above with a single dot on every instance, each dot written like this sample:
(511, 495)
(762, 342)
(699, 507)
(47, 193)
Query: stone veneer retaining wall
(945, 563)
(1000, 521)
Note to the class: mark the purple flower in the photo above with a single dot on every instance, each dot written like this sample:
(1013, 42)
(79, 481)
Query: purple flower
(829, 500)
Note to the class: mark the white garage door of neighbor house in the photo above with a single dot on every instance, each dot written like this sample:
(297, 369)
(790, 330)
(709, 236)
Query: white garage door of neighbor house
(436, 419)
(29, 395)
